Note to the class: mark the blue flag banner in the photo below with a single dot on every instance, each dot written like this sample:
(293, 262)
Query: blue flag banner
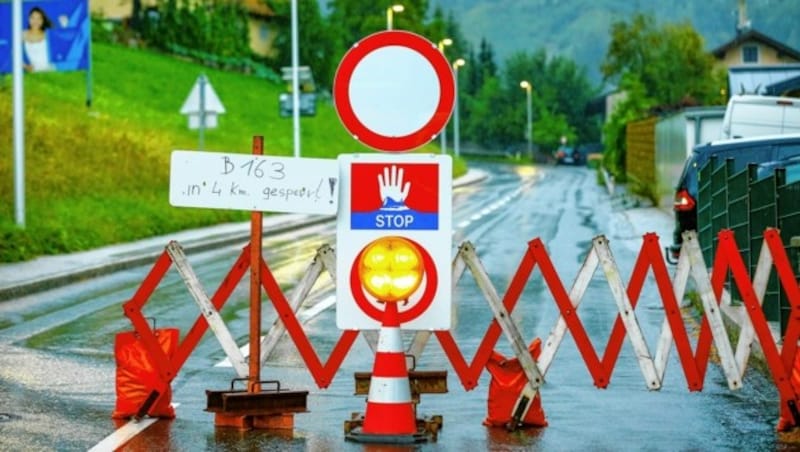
(55, 35)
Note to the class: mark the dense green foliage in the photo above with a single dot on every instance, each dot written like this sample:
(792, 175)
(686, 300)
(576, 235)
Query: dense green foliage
(492, 105)
(216, 27)
(101, 175)
(318, 47)
(492, 111)
(664, 66)
(668, 60)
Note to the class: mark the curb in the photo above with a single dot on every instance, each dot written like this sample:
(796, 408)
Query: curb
(92, 271)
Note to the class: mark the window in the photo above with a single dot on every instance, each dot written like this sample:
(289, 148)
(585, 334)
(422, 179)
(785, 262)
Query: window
(750, 54)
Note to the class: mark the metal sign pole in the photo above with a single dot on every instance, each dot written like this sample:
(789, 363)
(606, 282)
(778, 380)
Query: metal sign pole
(19, 114)
(295, 82)
(202, 127)
(89, 75)
(256, 225)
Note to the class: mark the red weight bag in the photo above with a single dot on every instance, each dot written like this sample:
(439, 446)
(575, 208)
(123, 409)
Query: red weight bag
(786, 421)
(505, 388)
(140, 390)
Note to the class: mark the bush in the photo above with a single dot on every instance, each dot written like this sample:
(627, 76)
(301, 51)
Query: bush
(16, 244)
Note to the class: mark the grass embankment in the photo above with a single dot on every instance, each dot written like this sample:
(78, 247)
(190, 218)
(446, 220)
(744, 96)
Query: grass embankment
(100, 175)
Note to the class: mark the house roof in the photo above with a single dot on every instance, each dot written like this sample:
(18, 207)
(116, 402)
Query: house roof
(754, 79)
(785, 86)
(755, 35)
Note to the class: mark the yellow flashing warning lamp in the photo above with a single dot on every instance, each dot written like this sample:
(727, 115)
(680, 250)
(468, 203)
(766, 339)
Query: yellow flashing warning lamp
(391, 269)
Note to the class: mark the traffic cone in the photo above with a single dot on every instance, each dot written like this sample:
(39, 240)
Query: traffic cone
(389, 408)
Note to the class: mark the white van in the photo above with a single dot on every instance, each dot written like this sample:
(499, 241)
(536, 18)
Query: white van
(752, 115)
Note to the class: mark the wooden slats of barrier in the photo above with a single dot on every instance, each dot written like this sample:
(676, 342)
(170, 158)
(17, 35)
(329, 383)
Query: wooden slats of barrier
(710, 287)
(690, 265)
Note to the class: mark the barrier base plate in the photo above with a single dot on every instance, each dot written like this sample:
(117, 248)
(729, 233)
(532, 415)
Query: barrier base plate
(427, 430)
(357, 436)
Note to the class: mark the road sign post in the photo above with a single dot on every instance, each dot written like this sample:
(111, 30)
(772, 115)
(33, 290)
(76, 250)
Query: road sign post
(394, 92)
(201, 107)
(256, 183)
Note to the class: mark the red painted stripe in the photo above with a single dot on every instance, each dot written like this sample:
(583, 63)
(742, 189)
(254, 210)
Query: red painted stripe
(390, 365)
(389, 419)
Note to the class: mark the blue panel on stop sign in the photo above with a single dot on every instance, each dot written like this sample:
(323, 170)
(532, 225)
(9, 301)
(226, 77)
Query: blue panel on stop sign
(394, 196)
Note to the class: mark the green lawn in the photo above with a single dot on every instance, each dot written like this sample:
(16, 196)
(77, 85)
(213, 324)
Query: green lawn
(100, 175)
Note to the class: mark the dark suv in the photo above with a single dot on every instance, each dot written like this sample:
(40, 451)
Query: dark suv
(769, 152)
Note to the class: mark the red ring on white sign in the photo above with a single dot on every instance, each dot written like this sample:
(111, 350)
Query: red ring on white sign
(417, 309)
(344, 107)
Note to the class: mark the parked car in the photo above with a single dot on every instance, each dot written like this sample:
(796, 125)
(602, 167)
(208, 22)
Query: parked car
(769, 152)
(751, 115)
(308, 104)
(791, 166)
(566, 155)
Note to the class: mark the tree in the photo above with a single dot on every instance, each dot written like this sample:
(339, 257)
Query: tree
(561, 91)
(316, 46)
(354, 20)
(497, 118)
(632, 108)
(550, 127)
(486, 59)
(207, 29)
(669, 61)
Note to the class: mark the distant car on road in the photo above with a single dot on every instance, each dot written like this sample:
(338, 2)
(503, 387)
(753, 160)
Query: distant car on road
(567, 155)
(770, 152)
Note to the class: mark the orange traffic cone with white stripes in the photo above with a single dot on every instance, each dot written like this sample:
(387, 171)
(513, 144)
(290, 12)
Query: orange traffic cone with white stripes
(390, 414)
(389, 408)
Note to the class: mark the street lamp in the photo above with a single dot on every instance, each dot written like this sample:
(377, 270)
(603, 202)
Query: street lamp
(457, 64)
(528, 130)
(397, 8)
(441, 45)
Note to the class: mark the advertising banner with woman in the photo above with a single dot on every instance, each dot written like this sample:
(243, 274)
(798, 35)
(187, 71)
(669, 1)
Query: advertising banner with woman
(55, 35)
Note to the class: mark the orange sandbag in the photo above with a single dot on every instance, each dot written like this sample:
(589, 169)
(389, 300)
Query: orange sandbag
(140, 389)
(786, 420)
(505, 388)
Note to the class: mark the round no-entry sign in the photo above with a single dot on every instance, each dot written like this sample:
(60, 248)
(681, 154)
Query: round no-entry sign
(394, 91)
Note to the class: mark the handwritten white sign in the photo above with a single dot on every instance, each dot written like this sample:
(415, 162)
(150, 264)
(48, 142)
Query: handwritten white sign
(253, 182)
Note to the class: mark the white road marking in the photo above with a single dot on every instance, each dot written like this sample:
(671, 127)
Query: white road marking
(124, 434)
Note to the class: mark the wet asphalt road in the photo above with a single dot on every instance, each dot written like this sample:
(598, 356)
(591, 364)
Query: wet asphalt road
(57, 365)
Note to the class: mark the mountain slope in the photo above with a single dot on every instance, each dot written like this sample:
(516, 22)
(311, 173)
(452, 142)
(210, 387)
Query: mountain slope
(579, 29)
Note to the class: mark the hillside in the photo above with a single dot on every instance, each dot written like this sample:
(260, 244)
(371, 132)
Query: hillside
(100, 175)
(579, 29)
